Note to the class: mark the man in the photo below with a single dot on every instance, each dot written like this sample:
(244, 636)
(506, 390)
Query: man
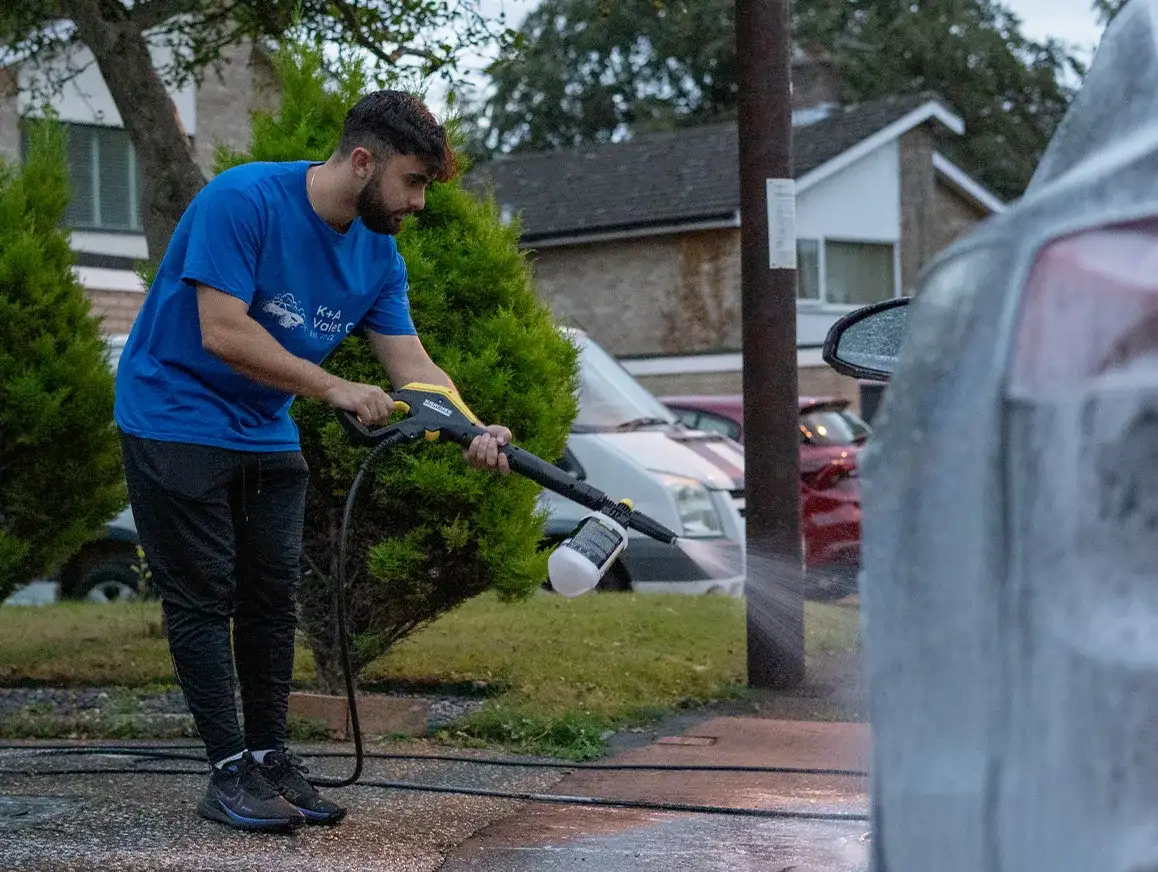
(269, 268)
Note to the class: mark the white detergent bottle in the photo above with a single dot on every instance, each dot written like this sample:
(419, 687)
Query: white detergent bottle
(582, 559)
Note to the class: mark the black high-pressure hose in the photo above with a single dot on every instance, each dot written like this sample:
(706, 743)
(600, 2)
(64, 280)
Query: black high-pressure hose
(161, 753)
(340, 624)
(177, 751)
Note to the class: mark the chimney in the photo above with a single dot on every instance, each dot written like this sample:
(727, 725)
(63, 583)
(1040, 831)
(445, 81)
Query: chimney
(815, 81)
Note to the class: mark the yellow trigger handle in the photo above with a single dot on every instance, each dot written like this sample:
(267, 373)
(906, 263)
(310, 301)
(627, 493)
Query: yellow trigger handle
(402, 407)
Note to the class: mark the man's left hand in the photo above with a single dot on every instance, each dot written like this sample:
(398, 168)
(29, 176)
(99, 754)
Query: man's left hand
(484, 451)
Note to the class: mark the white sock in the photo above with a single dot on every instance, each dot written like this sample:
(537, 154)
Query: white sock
(221, 763)
(259, 756)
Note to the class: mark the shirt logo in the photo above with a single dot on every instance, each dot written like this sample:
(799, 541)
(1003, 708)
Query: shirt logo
(287, 311)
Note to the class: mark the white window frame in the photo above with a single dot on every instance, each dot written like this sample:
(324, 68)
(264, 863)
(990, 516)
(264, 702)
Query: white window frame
(822, 304)
(97, 225)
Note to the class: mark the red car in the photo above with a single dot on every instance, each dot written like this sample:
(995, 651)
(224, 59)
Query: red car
(831, 436)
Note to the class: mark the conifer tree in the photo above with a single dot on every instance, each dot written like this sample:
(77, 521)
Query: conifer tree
(431, 531)
(60, 461)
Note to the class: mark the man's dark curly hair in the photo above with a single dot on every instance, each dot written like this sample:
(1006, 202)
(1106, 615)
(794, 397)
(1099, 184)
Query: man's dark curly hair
(398, 122)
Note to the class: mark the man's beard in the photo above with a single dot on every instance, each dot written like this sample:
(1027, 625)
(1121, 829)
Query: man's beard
(373, 212)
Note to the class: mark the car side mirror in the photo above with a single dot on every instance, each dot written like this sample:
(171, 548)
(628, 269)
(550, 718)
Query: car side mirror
(866, 344)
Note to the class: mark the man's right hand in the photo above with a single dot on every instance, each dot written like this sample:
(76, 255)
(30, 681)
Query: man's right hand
(370, 403)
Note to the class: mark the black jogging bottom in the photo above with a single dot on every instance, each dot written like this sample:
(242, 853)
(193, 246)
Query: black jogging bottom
(222, 534)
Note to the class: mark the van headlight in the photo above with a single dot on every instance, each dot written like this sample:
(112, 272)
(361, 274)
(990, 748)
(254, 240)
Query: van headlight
(694, 504)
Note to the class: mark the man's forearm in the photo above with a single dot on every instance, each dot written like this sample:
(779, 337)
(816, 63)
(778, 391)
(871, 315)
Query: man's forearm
(423, 373)
(250, 349)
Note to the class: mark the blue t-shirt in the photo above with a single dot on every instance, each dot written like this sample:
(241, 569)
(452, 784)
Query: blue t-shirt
(252, 233)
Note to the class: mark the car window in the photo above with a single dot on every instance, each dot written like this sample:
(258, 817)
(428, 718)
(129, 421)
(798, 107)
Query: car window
(609, 397)
(687, 416)
(718, 424)
(833, 427)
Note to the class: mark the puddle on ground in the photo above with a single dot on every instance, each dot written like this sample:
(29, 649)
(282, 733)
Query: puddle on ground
(20, 812)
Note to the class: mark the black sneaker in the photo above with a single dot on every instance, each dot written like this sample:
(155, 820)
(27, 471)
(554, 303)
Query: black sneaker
(240, 796)
(287, 774)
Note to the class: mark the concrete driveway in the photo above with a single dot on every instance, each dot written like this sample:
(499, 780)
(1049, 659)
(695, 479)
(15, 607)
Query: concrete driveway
(147, 822)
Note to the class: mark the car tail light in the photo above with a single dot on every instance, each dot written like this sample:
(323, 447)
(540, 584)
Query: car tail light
(1090, 308)
(1081, 449)
(1074, 603)
(833, 475)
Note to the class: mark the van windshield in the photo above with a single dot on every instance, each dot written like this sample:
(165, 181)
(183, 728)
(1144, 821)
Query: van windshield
(609, 398)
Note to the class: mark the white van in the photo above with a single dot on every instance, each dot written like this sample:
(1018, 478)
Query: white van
(629, 445)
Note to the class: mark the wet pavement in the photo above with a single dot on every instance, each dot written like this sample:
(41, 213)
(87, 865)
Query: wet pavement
(557, 838)
(148, 822)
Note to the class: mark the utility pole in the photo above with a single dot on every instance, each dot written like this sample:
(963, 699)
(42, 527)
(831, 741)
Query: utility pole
(775, 604)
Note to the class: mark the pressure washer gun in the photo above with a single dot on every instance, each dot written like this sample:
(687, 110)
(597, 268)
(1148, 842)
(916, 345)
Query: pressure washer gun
(437, 414)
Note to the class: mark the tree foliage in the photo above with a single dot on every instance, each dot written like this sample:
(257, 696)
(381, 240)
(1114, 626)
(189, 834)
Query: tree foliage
(45, 36)
(430, 531)
(60, 461)
(1107, 9)
(587, 70)
(591, 71)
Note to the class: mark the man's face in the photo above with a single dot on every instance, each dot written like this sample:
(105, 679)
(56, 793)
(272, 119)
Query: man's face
(396, 188)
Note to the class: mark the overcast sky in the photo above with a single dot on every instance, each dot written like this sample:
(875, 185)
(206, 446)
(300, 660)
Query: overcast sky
(1071, 20)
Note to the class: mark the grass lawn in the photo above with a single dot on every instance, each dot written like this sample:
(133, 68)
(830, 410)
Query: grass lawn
(565, 669)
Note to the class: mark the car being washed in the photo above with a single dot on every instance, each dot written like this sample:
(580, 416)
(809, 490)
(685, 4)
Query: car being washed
(831, 437)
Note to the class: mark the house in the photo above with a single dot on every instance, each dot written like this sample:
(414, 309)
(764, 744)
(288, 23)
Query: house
(638, 242)
(104, 215)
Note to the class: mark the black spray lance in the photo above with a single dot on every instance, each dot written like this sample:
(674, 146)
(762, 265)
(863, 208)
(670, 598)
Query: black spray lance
(437, 414)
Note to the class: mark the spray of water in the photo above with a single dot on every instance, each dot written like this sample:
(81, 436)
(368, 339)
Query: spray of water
(775, 605)
(718, 558)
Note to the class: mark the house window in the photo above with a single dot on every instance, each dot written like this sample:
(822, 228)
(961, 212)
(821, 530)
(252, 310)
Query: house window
(859, 273)
(845, 273)
(808, 269)
(104, 181)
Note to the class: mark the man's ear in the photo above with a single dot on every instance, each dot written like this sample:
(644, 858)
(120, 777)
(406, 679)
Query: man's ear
(362, 162)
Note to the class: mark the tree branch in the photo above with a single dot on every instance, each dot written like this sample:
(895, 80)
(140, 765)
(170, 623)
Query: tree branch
(346, 13)
(154, 13)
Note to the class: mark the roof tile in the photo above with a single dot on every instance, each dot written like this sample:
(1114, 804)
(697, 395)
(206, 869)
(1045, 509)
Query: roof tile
(678, 176)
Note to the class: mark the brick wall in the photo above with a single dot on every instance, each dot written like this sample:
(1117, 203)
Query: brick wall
(919, 214)
(824, 381)
(955, 215)
(716, 384)
(9, 116)
(812, 381)
(243, 72)
(815, 82)
(117, 309)
(655, 295)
